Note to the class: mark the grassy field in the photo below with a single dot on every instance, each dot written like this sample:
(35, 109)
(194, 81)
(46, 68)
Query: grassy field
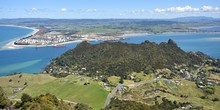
(143, 76)
(19, 80)
(114, 80)
(145, 93)
(70, 88)
(99, 30)
(189, 88)
(214, 76)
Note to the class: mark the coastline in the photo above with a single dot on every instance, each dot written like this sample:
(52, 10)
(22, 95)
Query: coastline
(11, 44)
(204, 27)
(133, 35)
(19, 26)
(145, 34)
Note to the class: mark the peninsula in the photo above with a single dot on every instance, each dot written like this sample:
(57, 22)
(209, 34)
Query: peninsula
(52, 32)
(50, 38)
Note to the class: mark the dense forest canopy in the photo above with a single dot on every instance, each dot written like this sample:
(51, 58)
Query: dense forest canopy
(117, 58)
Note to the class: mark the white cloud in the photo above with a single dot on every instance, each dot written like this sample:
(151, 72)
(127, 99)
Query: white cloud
(187, 9)
(91, 10)
(34, 10)
(80, 11)
(63, 10)
(133, 12)
(138, 11)
(158, 10)
(210, 9)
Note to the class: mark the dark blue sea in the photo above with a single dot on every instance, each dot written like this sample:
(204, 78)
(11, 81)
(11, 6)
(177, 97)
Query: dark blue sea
(34, 60)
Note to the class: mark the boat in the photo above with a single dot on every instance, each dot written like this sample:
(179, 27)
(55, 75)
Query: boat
(59, 46)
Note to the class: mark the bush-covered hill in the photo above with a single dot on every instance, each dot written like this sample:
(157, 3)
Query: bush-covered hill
(4, 101)
(117, 58)
(42, 102)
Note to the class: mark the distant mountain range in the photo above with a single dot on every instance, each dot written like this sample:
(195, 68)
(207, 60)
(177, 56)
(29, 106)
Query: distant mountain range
(194, 18)
(178, 18)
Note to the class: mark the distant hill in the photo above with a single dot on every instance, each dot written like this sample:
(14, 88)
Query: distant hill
(193, 18)
(117, 58)
(115, 26)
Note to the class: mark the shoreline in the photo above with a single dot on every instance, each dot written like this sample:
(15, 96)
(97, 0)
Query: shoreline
(205, 27)
(134, 34)
(146, 34)
(19, 26)
(11, 45)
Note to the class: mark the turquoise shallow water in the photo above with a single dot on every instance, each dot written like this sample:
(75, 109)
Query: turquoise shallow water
(17, 66)
(33, 60)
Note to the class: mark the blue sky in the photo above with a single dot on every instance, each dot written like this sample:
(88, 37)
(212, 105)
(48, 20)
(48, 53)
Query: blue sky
(108, 8)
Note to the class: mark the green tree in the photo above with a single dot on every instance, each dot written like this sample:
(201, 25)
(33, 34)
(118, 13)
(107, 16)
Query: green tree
(121, 80)
(119, 59)
(26, 98)
(42, 102)
(81, 106)
(4, 101)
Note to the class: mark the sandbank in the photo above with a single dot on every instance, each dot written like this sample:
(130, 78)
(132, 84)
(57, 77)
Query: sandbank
(11, 44)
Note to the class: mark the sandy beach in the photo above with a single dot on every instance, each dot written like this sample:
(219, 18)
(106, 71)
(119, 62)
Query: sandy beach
(19, 26)
(11, 44)
(133, 34)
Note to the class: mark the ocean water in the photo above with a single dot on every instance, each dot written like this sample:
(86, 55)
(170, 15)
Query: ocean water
(8, 33)
(204, 42)
(34, 60)
(30, 59)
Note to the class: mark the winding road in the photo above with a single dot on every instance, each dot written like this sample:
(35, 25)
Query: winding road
(119, 87)
(112, 94)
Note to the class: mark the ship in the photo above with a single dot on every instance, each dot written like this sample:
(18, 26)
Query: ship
(59, 46)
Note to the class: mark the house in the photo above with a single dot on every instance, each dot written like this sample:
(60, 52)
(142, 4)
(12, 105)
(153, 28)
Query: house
(218, 70)
(83, 69)
(131, 77)
(16, 89)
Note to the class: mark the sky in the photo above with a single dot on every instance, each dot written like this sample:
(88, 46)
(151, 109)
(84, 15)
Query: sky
(98, 9)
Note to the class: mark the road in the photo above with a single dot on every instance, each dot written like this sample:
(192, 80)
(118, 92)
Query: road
(112, 94)
(119, 87)
(199, 69)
